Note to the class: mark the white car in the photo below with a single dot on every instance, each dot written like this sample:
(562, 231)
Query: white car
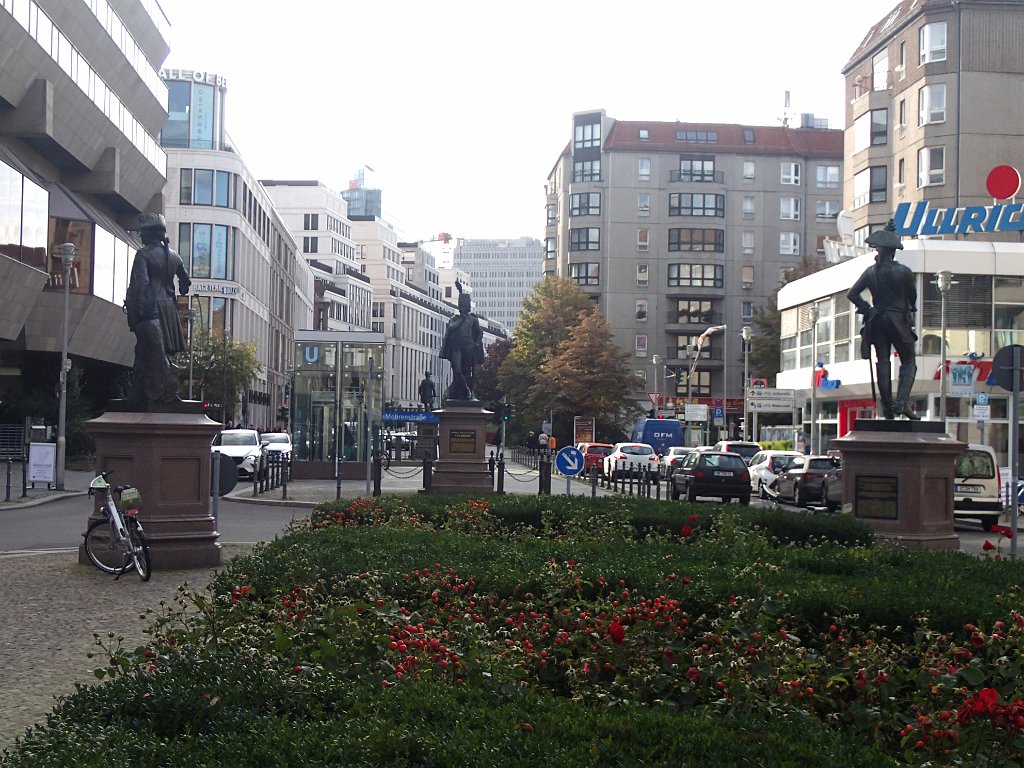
(277, 442)
(765, 467)
(672, 458)
(630, 458)
(245, 447)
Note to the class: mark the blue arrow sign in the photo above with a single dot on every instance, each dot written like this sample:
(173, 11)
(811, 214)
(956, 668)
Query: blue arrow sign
(569, 460)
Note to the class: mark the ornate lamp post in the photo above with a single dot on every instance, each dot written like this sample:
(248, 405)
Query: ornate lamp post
(67, 257)
(746, 332)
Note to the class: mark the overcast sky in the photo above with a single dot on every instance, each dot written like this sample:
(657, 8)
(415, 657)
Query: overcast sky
(462, 108)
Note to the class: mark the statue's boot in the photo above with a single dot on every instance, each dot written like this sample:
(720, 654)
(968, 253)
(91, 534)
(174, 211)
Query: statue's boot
(884, 375)
(901, 406)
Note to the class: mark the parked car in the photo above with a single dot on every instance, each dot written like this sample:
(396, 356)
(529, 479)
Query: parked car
(801, 480)
(246, 448)
(278, 442)
(976, 486)
(672, 458)
(765, 467)
(744, 449)
(629, 458)
(593, 456)
(711, 473)
(832, 489)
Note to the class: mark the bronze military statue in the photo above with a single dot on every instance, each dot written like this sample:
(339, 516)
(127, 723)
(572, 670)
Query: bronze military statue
(427, 392)
(463, 347)
(153, 314)
(889, 320)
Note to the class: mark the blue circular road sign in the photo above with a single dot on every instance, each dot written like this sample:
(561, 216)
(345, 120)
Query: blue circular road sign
(569, 460)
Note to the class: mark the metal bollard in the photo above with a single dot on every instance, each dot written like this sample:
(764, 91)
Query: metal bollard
(490, 466)
(428, 468)
(375, 474)
(24, 476)
(632, 469)
(9, 465)
(501, 476)
(284, 477)
(255, 481)
(593, 482)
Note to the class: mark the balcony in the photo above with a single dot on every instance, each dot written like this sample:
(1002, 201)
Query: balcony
(696, 177)
(691, 322)
(710, 358)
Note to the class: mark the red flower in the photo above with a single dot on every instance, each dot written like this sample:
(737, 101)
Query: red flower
(1003, 530)
(686, 531)
(985, 702)
(988, 546)
(691, 518)
(617, 632)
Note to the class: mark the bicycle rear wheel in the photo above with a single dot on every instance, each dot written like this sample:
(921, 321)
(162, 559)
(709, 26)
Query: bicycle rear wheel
(104, 550)
(139, 548)
(385, 460)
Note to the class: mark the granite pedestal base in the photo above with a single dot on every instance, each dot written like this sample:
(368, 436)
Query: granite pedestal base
(166, 455)
(898, 478)
(461, 466)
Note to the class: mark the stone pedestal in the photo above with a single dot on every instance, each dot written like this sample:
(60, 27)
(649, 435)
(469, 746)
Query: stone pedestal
(461, 466)
(898, 478)
(166, 455)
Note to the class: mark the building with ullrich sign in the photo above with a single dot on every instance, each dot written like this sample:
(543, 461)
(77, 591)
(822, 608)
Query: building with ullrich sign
(249, 280)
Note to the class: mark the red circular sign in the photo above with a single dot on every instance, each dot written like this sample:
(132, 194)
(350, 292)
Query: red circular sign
(1003, 182)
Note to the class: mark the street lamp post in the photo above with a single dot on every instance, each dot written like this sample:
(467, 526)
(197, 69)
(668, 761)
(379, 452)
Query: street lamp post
(746, 332)
(944, 281)
(725, 363)
(814, 378)
(191, 324)
(67, 257)
(656, 359)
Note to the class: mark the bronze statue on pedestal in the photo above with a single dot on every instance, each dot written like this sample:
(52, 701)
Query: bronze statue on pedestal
(463, 347)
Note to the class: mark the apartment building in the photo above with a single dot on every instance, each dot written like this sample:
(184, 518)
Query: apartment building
(931, 108)
(503, 273)
(249, 280)
(675, 228)
(81, 103)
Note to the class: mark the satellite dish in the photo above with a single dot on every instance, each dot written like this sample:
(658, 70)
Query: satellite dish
(844, 225)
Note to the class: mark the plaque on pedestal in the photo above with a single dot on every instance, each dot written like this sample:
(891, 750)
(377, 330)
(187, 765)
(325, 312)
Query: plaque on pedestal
(461, 466)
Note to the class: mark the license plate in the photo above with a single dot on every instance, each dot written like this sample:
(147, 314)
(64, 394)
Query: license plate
(967, 488)
(723, 474)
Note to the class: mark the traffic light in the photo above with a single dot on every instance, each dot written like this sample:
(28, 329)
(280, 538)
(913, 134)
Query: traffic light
(282, 413)
(507, 411)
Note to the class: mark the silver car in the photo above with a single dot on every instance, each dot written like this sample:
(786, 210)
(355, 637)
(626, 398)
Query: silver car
(765, 466)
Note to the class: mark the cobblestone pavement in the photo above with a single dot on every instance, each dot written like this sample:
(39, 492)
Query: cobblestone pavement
(50, 608)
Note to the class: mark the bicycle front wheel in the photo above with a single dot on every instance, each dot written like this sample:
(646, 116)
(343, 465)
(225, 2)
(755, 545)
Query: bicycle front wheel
(139, 548)
(104, 550)
(385, 460)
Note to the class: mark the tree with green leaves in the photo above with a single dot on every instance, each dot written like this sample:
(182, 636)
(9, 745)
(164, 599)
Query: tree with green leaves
(221, 369)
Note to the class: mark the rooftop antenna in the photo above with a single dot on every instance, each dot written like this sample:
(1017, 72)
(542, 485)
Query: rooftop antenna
(785, 111)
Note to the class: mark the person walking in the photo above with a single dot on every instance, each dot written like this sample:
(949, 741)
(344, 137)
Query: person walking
(542, 440)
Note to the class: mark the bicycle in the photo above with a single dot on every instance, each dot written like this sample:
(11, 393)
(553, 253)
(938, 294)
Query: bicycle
(117, 543)
(381, 457)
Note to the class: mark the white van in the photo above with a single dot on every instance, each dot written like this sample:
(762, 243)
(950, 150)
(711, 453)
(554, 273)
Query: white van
(977, 491)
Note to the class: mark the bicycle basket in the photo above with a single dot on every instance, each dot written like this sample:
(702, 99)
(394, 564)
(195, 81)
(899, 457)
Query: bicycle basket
(131, 501)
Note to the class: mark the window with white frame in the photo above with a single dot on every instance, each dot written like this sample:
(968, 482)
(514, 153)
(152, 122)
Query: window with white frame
(871, 186)
(933, 42)
(748, 170)
(643, 169)
(641, 310)
(789, 243)
(585, 204)
(828, 176)
(746, 311)
(790, 173)
(643, 203)
(549, 247)
(585, 273)
(645, 135)
(789, 208)
(643, 239)
(747, 241)
(748, 206)
(585, 239)
(871, 129)
(641, 345)
(931, 166)
(747, 276)
(552, 212)
(880, 71)
(641, 276)
(931, 104)
(826, 209)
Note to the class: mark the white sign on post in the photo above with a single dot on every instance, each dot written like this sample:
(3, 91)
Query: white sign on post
(42, 462)
(695, 412)
(961, 380)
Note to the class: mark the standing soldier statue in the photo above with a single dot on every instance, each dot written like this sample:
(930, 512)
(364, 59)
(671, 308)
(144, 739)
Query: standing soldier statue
(888, 320)
(428, 392)
(463, 347)
(153, 314)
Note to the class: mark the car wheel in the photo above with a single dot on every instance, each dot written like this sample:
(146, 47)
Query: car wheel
(745, 500)
(761, 492)
(673, 491)
(988, 523)
(691, 494)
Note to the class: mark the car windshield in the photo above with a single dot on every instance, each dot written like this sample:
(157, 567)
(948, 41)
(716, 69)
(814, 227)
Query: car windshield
(637, 450)
(236, 438)
(599, 450)
(822, 464)
(974, 464)
(780, 462)
(746, 451)
(724, 461)
(275, 438)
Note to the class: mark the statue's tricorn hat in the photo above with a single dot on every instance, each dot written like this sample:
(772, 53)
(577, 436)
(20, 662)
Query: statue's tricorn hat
(152, 221)
(885, 238)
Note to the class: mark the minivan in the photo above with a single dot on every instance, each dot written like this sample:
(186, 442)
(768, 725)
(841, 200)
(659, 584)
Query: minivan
(976, 486)
(660, 434)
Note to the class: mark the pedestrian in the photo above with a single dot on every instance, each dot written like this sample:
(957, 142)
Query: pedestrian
(542, 440)
(552, 443)
(531, 443)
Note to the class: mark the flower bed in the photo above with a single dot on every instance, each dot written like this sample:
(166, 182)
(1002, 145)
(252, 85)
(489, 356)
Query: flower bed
(534, 631)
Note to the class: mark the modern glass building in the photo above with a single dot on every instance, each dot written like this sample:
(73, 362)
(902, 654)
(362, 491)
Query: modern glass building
(336, 400)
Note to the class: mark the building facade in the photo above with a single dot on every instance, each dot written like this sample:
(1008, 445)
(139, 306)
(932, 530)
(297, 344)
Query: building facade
(249, 281)
(81, 104)
(677, 228)
(930, 109)
(503, 273)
